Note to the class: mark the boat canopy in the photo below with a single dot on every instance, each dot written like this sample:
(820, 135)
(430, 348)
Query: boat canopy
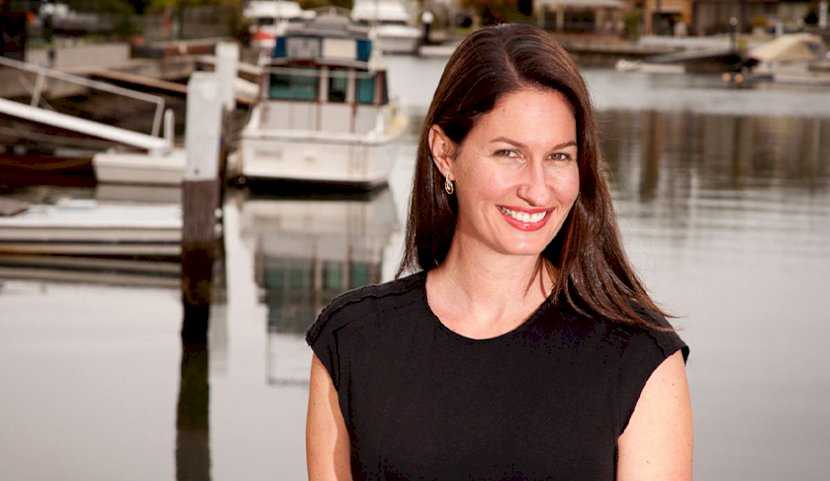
(258, 10)
(790, 48)
(380, 11)
(309, 47)
(328, 38)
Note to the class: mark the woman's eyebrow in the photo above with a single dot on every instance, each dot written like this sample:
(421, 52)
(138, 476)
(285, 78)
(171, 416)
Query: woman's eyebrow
(523, 146)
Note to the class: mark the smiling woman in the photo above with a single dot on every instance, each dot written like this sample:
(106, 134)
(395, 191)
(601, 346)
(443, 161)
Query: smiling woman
(517, 175)
(525, 348)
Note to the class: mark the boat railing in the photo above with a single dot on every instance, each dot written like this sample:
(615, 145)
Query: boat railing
(42, 76)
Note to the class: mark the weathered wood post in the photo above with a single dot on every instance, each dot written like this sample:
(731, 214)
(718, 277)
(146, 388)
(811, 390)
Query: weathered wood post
(200, 201)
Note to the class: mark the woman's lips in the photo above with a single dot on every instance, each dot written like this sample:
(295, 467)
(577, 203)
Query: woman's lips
(525, 219)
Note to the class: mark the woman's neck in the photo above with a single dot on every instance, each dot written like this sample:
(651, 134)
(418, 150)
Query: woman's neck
(482, 292)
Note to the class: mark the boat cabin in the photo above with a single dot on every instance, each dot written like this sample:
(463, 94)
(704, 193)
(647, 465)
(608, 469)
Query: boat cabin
(324, 77)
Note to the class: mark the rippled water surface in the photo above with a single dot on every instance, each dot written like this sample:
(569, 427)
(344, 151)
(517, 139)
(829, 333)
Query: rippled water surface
(724, 208)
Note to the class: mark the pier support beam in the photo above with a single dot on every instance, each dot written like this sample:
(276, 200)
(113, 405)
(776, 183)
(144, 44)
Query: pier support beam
(200, 201)
(227, 65)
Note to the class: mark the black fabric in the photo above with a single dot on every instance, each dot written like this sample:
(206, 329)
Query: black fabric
(545, 401)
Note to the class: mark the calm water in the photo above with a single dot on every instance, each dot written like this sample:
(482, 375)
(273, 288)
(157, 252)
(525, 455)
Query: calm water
(724, 205)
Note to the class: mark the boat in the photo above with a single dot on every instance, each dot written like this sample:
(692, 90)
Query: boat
(122, 222)
(269, 18)
(390, 24)
(324, 114)
(687, 61)
(800, 58)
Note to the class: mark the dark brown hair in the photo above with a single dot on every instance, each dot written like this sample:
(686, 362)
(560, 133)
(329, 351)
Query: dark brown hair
(594, 275)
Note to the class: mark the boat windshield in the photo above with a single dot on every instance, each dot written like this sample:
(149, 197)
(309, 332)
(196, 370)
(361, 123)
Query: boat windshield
(365, 91)
(294, 84)
(342, 85)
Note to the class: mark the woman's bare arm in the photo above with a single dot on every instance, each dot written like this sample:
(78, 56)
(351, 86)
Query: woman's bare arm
(327, 441)
(657, 443)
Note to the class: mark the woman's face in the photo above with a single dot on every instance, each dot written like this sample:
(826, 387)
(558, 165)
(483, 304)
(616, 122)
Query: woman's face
(516, 174)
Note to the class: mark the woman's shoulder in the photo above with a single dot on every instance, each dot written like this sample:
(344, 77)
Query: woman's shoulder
(654, 335)
(359, 306)
(639, 349)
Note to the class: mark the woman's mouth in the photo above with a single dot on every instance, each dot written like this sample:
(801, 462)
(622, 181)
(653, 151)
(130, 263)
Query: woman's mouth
(525, 219)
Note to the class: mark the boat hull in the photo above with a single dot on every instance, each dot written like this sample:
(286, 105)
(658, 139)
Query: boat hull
(398, 43)
(349, 163)
(136, 168)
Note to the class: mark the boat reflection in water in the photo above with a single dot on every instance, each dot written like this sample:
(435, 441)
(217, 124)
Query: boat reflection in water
(307, 251)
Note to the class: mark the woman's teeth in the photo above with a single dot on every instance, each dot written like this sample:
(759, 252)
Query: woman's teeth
(524, 216)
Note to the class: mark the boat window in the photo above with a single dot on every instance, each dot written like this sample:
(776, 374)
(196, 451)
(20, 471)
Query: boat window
(296, 85)
(338, 84)
(365, 91)
(262, 21)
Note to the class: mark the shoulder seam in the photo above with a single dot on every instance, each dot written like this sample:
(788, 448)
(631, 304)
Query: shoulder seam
(374, 291)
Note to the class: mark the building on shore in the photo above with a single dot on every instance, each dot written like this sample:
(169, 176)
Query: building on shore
(673, 17)
(581, 16)
(666, 17)
(711, 17)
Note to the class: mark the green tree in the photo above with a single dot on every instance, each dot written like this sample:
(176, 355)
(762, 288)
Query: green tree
(120, 11)
(311, 4)
(175, 9)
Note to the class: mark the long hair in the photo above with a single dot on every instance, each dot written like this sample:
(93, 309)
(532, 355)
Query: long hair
(594, 276)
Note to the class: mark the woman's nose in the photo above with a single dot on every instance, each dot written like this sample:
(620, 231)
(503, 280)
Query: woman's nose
(534, 188)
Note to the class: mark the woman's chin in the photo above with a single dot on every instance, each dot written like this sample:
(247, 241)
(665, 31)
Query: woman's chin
(523, 248)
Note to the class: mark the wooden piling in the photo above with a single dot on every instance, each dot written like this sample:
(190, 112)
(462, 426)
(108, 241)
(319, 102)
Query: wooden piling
(200, 201)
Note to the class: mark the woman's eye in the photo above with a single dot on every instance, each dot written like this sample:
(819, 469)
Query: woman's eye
(507, 153)
(561, 156)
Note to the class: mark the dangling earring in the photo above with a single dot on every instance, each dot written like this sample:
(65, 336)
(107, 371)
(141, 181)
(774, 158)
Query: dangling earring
(448, 186)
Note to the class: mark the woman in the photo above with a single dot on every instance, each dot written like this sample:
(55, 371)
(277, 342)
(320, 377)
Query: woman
(525, 348)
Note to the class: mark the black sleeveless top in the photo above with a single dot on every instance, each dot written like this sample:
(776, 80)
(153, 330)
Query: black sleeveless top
(545, 401)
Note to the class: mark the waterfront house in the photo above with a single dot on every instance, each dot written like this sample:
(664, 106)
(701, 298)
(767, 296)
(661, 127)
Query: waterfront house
(581, 16)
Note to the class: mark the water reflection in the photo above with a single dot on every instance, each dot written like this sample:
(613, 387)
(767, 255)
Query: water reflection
(307, 251)
(725, 152)
(705, 180)
(192, 415)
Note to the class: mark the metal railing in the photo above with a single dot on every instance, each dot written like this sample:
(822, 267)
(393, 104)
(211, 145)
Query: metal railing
(44, 73)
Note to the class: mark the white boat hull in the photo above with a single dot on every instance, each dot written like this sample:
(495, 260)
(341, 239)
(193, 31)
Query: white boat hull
(398, 44)
(338, 161)
(138, 168)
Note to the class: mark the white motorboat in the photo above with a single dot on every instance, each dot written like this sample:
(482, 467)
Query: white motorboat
(324, 114)
(269, 18)
(799, 58)
(390, 24)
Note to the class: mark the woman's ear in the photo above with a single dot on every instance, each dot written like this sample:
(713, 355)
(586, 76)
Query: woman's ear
(442, 150)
